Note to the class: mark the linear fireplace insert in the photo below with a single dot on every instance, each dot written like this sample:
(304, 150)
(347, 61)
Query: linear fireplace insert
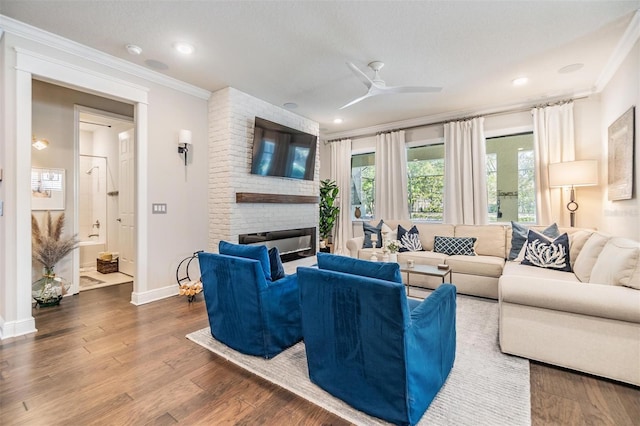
(292, 243)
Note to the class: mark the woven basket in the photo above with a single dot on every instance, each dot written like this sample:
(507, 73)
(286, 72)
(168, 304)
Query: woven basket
(107, 266)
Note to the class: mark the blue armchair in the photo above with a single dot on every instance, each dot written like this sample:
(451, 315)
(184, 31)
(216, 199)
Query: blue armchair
(247, 311)
(369, 345)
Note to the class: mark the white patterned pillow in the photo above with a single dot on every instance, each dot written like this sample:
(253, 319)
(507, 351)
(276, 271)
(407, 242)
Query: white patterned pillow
(545, 253)
(455, 245)
(411, 242)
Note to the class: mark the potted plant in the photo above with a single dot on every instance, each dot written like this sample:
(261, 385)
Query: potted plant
(329, 209)
(48, 248)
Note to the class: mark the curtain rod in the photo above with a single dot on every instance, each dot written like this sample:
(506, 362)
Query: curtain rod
(438, 123)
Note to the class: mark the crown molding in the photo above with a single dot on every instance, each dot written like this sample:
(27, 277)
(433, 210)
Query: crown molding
(624, 46)
(29, 32)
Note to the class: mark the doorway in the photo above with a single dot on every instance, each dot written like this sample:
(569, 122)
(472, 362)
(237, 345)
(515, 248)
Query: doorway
(105, 193)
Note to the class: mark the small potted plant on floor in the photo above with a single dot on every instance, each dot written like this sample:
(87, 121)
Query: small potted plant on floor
(329, 209)
(48, 248)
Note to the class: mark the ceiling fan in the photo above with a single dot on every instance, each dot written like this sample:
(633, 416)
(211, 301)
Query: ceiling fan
(378, 87)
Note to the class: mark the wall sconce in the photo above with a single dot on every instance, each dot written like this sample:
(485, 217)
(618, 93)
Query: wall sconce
(572, 174)
(184, 140)
(39, 143)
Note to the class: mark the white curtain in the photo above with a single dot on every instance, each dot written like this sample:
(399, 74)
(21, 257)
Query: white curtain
(465, 173)
(392, 200)
(553, 142)
(341, 174)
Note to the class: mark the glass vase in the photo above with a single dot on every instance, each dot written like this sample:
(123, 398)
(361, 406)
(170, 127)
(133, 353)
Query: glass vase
(49, 290)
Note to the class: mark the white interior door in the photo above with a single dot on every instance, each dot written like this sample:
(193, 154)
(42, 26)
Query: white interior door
(126, 204)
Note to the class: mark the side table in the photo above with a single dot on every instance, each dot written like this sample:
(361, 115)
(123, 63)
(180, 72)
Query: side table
(428, 270)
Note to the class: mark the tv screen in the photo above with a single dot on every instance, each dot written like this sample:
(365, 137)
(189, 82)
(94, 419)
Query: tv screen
(282, 151)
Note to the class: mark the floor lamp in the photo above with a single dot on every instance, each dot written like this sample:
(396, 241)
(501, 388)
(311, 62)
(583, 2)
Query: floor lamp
(572, 174)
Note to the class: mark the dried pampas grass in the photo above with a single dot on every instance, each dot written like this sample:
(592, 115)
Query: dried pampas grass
(48, 245)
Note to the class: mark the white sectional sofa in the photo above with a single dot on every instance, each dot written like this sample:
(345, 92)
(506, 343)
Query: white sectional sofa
(587, 320)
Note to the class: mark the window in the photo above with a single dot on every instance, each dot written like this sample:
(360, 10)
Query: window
(511, 178)
(363, 176)
(425, 182)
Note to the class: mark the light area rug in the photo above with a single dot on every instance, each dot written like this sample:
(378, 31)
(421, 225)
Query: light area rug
(485, 386)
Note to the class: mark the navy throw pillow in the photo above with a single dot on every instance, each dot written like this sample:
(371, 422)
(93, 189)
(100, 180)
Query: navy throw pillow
(259, 253)
(277, 270)
(546, 253)
(409, 240)
(368, 231)
(519, 237)
(463, 246)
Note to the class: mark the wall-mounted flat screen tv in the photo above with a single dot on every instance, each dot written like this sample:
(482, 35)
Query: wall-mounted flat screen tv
(282, 151)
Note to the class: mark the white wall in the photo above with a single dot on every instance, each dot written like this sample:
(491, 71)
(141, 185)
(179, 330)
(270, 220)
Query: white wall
(621, 93)
(231, 118)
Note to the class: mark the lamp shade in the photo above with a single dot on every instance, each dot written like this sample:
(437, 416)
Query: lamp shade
(573, 173)
(184, 136)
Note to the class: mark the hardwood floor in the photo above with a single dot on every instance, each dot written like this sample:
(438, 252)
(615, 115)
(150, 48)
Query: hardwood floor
(97, 359)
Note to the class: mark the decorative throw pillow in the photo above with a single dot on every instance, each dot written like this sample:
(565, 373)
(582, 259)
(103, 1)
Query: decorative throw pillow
(368, 231)
(259, 253)
(455, 245)
(277, 270)
(546, 253)
(519, 237)
(409, 240)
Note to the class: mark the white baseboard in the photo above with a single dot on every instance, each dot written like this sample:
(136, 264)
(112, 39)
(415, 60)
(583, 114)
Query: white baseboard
(153, 295)
(17, 328)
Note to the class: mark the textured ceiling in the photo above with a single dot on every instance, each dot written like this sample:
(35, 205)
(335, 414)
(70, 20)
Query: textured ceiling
(296, 51)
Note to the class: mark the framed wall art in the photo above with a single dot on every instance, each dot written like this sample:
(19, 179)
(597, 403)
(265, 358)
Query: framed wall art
(47, 189)
(621, 144)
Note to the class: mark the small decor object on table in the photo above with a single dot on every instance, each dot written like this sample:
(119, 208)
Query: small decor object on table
(188, 287)
(393, 246)
(48, 248)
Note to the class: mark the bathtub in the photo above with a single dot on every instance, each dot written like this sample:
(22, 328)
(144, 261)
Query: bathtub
(89, 253)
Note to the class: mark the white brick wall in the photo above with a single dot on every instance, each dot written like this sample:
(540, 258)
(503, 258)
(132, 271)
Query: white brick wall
(231, 118)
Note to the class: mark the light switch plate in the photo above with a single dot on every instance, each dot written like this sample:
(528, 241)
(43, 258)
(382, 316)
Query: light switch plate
(159, 208)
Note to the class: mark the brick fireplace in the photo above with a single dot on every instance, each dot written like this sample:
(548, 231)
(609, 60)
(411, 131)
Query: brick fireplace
(231, 118)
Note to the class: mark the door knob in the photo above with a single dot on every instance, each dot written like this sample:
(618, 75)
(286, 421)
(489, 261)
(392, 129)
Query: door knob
(119, 220)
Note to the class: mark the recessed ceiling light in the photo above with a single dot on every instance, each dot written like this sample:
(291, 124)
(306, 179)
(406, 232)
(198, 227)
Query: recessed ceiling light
(290, 105)
(520, 81)
(184, 48)
(133, 49)
(337, 120)
(570, 68)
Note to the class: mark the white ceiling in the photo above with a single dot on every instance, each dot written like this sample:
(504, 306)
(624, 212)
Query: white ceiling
(285, 51)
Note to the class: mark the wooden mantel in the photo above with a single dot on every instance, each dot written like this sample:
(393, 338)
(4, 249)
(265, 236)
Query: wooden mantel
(253, 197)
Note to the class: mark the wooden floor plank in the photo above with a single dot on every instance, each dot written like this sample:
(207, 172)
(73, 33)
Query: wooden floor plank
(98, 359)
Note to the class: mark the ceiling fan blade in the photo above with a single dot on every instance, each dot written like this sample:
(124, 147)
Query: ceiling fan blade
(355, 101)
(412, 89)
(361, 76)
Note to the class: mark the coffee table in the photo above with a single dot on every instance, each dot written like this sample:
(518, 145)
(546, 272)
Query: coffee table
(429, 270)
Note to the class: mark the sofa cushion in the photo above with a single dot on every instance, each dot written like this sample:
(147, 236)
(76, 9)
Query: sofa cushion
(368, 231)
(516, 268)
(612, 302)
(488, 266)
(388, 271)
(588, 256)
(577, 240)
(462, 246)
(545, 253)
(259, 253)
(423, 257)
(491, 239)
(277, 270)
(618, 264)
(519, 235)
(428, 232)
(409, 240)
